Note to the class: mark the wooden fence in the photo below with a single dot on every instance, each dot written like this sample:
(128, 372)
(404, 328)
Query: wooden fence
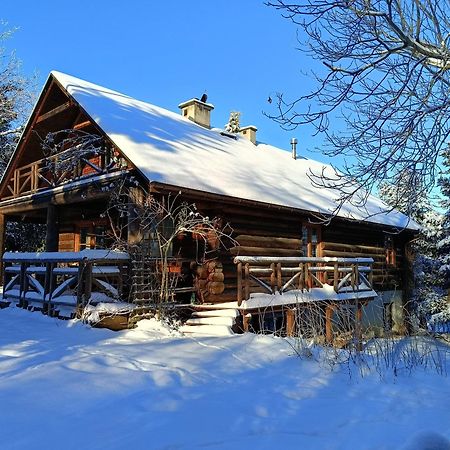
(64, 279)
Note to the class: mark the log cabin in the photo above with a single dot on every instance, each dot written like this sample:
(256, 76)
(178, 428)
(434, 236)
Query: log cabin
(282, 256)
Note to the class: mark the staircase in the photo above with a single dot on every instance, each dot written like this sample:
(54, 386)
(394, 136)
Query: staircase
(212, 320)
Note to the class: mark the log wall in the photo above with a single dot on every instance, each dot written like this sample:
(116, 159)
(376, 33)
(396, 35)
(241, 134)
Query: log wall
(348, 240)
(261, 232)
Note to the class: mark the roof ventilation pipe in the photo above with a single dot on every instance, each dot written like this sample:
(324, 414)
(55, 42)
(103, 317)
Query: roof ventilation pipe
(294, 147)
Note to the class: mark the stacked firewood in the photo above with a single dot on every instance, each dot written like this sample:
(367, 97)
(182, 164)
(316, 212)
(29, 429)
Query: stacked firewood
(209, 280)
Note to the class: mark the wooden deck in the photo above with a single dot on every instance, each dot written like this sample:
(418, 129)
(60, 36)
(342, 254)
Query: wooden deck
(289, 284)
(56, 280)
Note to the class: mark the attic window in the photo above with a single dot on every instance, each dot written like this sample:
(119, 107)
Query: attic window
(185, 113)
(244, 132)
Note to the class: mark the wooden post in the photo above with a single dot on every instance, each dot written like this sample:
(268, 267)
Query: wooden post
(23, 285)
(352, 279)
(307, 278)
(279, 279)
(358, 325)
(239, 283)
(247, 281)
(2, 245)
(301, 280)
(329, 309)
(34, 177)
(371, 276)
(87, 283)
(335, 277)
(47, 284)
(80, 287)
(273, 277)
(290, 322)
(246, 318)
(51, 238)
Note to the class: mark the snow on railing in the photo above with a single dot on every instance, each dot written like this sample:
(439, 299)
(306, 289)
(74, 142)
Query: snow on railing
(64, 279)
(281, 274)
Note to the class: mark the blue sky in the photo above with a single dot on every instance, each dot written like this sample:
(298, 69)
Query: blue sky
(240, 52)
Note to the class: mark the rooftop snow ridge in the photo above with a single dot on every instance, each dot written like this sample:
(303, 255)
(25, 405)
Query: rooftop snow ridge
(169, 149)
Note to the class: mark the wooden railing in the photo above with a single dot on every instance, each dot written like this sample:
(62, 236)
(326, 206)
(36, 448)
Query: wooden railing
(44, 173)
(281, 274)
(55, 279)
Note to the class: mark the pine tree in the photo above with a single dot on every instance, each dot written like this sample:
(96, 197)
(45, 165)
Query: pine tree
(444, 243)
(233, 125)
(408, 196)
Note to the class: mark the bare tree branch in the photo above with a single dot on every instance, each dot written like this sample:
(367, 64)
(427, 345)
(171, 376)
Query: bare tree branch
(382, 93)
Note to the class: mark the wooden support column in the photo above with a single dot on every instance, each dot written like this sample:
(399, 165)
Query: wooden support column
(290, 322)
(52, 236)
(329, 309)
(246, 319)
(2, 244)
(358, 325)
(247, 281)
(239, 283)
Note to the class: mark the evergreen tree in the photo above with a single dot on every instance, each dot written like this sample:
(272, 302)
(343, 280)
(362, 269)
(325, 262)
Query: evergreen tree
(444, 242)
(233, 125)
(408, 196)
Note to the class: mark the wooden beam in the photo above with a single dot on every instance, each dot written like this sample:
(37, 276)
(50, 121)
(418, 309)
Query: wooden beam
(81, 125)
(54, 111)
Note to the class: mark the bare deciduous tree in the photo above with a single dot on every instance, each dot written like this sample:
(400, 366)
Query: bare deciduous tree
(381, 93)
(157, 225)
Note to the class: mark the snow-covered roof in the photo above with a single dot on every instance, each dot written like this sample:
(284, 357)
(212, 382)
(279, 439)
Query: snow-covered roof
(170, 149)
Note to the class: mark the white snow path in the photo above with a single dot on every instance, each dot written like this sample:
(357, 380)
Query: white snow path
(65, 385)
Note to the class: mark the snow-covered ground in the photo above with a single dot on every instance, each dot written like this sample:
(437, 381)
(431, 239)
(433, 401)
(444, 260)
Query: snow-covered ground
(64, 385)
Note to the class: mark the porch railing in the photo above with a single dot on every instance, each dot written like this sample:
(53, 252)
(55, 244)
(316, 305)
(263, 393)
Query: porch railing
(280, 274)
(44, 173)
(64, 279)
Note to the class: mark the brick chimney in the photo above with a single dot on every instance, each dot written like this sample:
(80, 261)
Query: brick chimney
(249, 132)
(197, 111)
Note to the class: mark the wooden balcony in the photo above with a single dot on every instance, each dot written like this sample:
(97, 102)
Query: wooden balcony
(62, 168)
(337, 278)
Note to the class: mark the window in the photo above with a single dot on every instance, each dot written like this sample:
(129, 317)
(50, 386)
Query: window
(311, 237)
(154, 238)
(390, 250)
(91, 236)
